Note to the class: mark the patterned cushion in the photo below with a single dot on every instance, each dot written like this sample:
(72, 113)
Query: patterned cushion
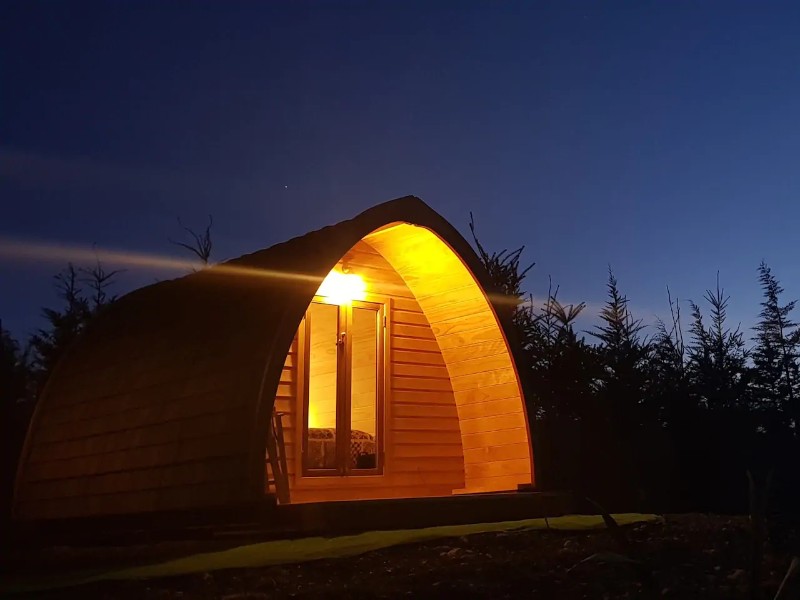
(322, 449)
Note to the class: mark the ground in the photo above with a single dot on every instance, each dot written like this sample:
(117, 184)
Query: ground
(690, 556)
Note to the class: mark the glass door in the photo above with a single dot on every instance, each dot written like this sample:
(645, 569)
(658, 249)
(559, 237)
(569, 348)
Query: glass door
(322, 369)
(343, 389)
(365, 384)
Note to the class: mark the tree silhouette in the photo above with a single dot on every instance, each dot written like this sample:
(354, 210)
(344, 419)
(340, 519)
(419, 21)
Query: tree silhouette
(717, 357)
(201, 244)
(775, 382)
(64, 324)
(99, 282)
(13, 369)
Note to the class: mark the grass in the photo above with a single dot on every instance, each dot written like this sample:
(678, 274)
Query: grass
(281, 552)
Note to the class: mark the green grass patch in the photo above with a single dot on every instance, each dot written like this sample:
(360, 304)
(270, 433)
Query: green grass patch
(280, 552)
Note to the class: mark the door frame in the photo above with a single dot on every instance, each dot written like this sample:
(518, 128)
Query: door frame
(344, 388)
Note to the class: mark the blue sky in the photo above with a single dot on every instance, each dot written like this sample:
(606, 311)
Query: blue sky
(660, 138)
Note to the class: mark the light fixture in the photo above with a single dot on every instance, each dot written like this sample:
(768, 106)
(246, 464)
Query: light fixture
(342, 288)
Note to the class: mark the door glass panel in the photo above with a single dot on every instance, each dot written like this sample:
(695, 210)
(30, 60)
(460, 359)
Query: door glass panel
(364, 389)
(322, 385)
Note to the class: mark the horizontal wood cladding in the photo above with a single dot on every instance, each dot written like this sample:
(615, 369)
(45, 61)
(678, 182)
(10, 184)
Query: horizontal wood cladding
(422, 441)
(123, 427)
(193, 411)
(171, 450)
(507, 451)
(415, 357)
(424, 410)
(420, 489)
(479, 410)
(92, 453)
(476, 357)
(420, 370)
(200, 470)
(492, 392)
(139, 500)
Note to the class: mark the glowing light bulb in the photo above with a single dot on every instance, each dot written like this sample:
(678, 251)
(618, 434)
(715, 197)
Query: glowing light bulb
(342, 288)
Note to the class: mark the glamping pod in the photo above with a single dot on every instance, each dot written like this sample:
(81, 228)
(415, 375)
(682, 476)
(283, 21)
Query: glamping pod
(365, 360)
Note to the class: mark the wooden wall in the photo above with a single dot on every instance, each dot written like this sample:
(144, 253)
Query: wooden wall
(422, 440)
(142, 420)
(491, 410)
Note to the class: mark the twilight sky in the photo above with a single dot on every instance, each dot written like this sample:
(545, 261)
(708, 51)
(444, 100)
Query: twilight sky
(661, 138)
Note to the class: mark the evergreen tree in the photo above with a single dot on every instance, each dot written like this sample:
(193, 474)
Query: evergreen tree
(623, 353)
(562, 372)
(620, 426)
(667, 389)
(717, 357)
(507, 276)
(66, 323)
(99, 281)
(776, 383)
(563, 367)
(619, 336)
(13, 369)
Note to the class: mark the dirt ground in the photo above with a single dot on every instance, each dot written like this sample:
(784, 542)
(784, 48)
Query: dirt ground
(689, 556)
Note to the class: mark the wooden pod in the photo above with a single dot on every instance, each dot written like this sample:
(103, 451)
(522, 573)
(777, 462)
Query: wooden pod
(164, 402)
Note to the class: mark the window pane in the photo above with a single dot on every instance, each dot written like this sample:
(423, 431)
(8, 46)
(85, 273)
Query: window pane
(364, 389)
(322, 383)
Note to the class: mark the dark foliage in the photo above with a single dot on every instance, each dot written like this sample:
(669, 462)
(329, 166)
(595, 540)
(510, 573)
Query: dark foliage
(665, 422)
(14, 369)
(65, 323)
(15, 411)
(201, 244)
(776, 383)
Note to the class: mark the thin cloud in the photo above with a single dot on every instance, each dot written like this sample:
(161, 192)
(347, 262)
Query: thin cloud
(37, 171)
(17, 251)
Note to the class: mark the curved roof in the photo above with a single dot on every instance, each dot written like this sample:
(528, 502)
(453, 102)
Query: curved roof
(163, 403)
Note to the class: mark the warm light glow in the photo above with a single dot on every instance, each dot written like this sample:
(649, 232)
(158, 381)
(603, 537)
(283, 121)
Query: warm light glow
(342, 288)
(313, 419)
(17, 251)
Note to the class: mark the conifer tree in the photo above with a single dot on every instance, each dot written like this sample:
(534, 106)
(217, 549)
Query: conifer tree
(65, 323)
(13, 369)
(667, 390)
(563, 367)
(507, 276)
(623, 353)
(776, 383)
(99, 281)
(620, 333)
(717, 357)
(620, 420)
